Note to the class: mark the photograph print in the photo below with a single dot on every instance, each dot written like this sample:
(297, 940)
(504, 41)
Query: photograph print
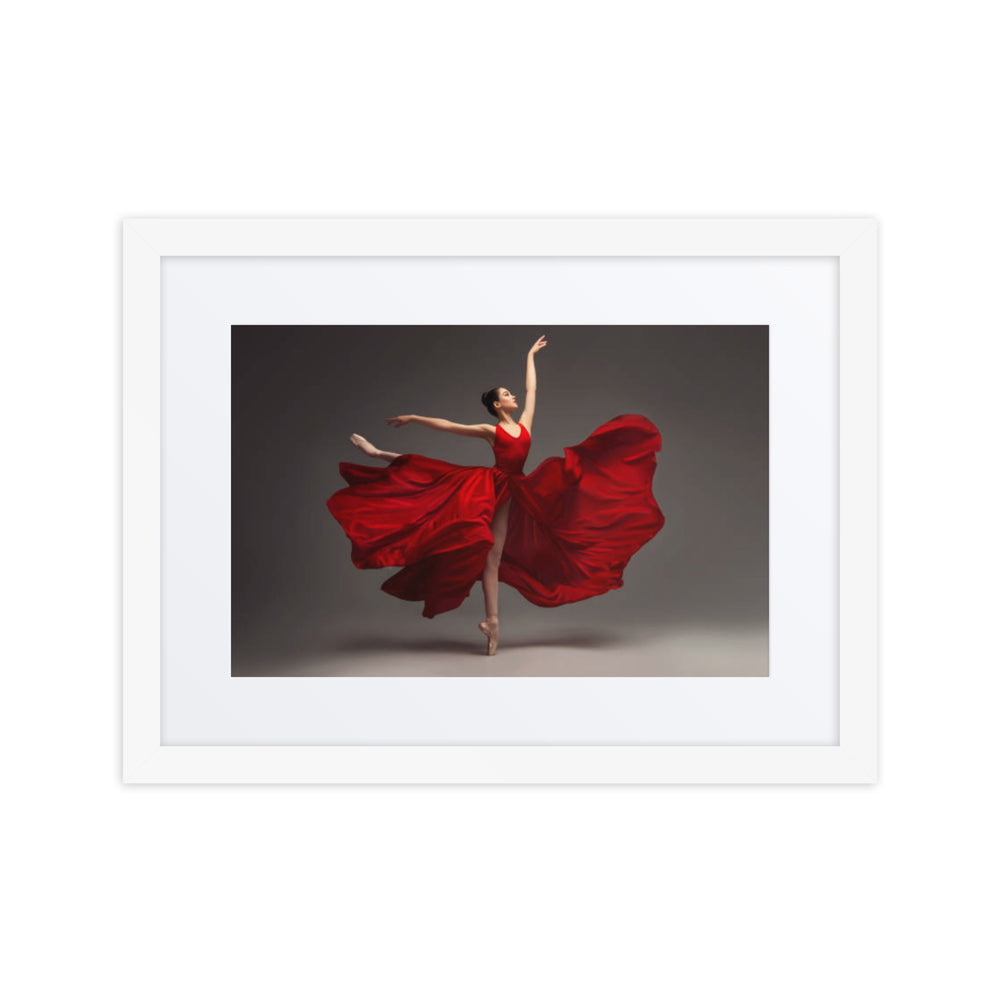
(499, 501)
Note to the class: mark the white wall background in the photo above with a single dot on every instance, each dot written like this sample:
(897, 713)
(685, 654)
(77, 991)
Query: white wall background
(525, 108)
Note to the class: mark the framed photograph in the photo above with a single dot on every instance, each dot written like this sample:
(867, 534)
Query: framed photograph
(500, 500)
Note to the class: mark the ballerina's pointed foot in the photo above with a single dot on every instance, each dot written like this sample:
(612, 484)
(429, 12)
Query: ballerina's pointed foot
(491, 629)
(365, 445)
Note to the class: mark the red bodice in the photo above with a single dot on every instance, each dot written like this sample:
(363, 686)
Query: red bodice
(511, 452)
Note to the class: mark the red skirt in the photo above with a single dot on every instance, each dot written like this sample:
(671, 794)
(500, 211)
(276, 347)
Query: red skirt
(574, 521)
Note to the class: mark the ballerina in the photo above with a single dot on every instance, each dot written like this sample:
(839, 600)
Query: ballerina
(561, 534)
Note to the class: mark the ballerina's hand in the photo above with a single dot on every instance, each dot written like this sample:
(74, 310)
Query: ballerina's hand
(537, 345)
(399, 421)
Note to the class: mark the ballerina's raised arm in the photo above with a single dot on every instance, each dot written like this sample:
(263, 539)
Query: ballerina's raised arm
(530, 385)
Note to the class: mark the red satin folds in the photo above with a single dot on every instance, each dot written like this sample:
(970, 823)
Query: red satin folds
(574, 522)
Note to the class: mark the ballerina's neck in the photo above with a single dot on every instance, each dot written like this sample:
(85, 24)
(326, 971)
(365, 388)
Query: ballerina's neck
(520, 430)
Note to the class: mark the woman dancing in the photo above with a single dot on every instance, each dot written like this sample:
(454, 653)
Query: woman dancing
(561, 534)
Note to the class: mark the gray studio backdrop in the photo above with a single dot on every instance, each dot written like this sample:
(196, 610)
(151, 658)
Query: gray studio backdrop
(299, 607)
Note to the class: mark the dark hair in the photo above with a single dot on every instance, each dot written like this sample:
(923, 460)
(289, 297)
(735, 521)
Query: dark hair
(489, 398)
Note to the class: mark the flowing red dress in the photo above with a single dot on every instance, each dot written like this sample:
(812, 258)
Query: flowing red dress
(574, 522)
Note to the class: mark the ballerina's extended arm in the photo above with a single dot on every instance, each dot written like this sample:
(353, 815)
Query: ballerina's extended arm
(530, 385)
(438, 424)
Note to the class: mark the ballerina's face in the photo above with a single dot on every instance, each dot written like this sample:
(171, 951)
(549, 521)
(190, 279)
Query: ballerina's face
(507, 403)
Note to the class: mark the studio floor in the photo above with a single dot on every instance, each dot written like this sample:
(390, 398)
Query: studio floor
(455, 648)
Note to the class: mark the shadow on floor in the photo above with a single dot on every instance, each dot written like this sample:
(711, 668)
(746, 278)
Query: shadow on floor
(382, 644)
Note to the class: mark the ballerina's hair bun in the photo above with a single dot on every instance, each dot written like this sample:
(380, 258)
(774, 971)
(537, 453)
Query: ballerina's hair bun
(489, 398)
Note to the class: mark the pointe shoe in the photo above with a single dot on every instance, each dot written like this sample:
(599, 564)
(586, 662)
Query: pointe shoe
(491, 629)
(365, 445)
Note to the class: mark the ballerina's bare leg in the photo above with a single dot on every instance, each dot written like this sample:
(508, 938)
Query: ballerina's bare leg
(491, 580)
(369, 449)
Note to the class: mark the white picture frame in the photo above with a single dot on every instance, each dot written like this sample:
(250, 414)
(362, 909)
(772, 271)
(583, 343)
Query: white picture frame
(853, 244)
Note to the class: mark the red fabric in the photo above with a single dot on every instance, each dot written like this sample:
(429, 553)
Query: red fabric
(574, 522)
